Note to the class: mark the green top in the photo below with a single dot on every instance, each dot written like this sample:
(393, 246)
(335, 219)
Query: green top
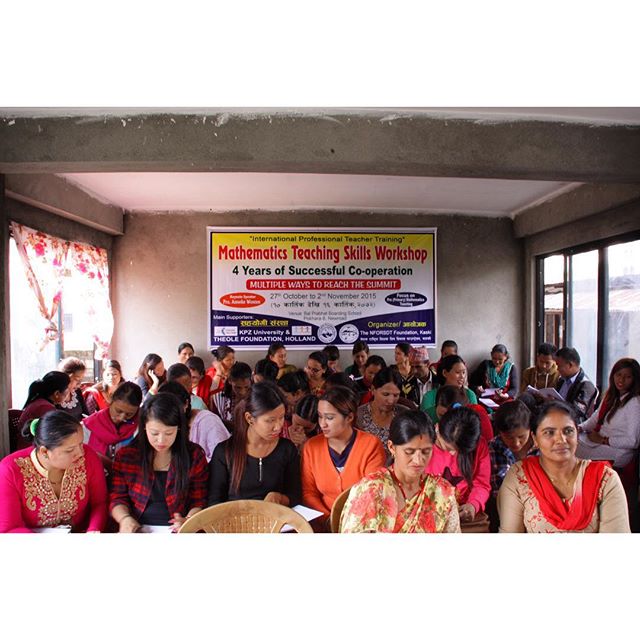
(428, 404)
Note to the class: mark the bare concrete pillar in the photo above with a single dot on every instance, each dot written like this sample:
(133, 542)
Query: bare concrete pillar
(5, 345)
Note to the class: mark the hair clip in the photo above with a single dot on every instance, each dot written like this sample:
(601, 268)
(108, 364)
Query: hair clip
(456, 405)
(33, 425)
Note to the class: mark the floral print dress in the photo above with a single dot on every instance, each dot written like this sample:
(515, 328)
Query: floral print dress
(372, 507)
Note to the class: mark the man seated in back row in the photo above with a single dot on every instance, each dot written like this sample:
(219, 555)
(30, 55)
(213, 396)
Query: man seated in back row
(573, 384)
(544, 374)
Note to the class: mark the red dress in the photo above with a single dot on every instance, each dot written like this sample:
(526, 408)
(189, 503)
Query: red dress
(28, 501)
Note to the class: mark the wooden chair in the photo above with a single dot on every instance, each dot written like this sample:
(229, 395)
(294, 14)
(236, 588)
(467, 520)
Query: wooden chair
(336, 510)
(245, 516)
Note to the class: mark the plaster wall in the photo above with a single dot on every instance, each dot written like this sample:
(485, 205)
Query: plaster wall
(159, 289)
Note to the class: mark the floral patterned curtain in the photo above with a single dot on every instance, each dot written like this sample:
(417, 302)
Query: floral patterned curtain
(47, 261)
(92, 264)
(44, 258)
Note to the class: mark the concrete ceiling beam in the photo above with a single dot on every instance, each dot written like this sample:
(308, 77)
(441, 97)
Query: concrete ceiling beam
(581, 202)
(54, 194)
(391, 144)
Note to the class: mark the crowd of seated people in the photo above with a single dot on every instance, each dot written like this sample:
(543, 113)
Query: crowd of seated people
(409, 446)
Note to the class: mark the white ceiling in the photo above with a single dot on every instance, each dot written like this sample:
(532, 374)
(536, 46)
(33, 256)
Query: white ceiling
(137, 192)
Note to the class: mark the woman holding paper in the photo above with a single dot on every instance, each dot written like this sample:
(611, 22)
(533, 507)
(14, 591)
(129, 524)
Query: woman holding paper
(461, 456)
(498, 373)
(402, 498)
(613, 432)
(557, 491)
(161, 478)
(256, 463)
(339, 457)
(58, 481)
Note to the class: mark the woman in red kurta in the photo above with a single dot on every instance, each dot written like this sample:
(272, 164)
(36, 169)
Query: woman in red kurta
(461, 456)
(58, 481)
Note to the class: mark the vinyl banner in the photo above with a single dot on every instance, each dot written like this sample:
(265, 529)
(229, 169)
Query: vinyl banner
(308, 289)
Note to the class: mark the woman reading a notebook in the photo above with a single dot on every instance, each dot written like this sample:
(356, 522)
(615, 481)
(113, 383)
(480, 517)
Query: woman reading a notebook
(58, 481)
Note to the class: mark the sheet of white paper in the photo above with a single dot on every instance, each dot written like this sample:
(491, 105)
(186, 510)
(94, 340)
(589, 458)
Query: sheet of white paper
(548, 394)
(307, 513)
(489, 392)
(60, 529)
(488, 402)
(149, 528)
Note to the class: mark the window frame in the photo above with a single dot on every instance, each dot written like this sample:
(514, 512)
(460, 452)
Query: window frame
(603, 294)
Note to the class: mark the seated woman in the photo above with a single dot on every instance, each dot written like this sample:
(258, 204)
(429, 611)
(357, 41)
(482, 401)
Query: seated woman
(449, 397)
(375, 417)
(409, 388)
(558, 492)
(56, 482)
(360, 353)
(613, 432)
(185, 351)
(236, 390)
(514, 441)
(44, 395)
(204, 427)
(294, 386)
(74, 404)
(333, 358)
(201, 382)
(277, 353)
(452, 370)
(403, 498)
(224, 358)
(316, 371)
(461, 456)
(160, 479)
(181, 374)
(498, 373)
(151, 374)
(341, 455)
(256, 463)
(114, 427)
(265, 371)
(99, 396)
(304, 421)
(372, 367)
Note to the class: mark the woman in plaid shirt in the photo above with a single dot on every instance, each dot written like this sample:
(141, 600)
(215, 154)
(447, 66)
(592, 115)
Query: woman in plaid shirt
(161, 479)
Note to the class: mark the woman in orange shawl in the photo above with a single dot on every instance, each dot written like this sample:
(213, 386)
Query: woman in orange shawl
(558, 492)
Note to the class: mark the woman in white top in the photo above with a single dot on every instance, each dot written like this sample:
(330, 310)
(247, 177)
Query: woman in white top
(613, 432)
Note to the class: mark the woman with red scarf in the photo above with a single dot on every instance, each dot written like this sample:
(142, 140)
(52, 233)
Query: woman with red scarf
(558, 492)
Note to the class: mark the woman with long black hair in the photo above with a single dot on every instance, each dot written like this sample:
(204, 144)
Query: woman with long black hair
(256, 463)
(160, 479)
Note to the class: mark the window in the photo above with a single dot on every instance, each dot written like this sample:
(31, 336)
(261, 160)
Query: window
(83, 315)
(589, 299)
